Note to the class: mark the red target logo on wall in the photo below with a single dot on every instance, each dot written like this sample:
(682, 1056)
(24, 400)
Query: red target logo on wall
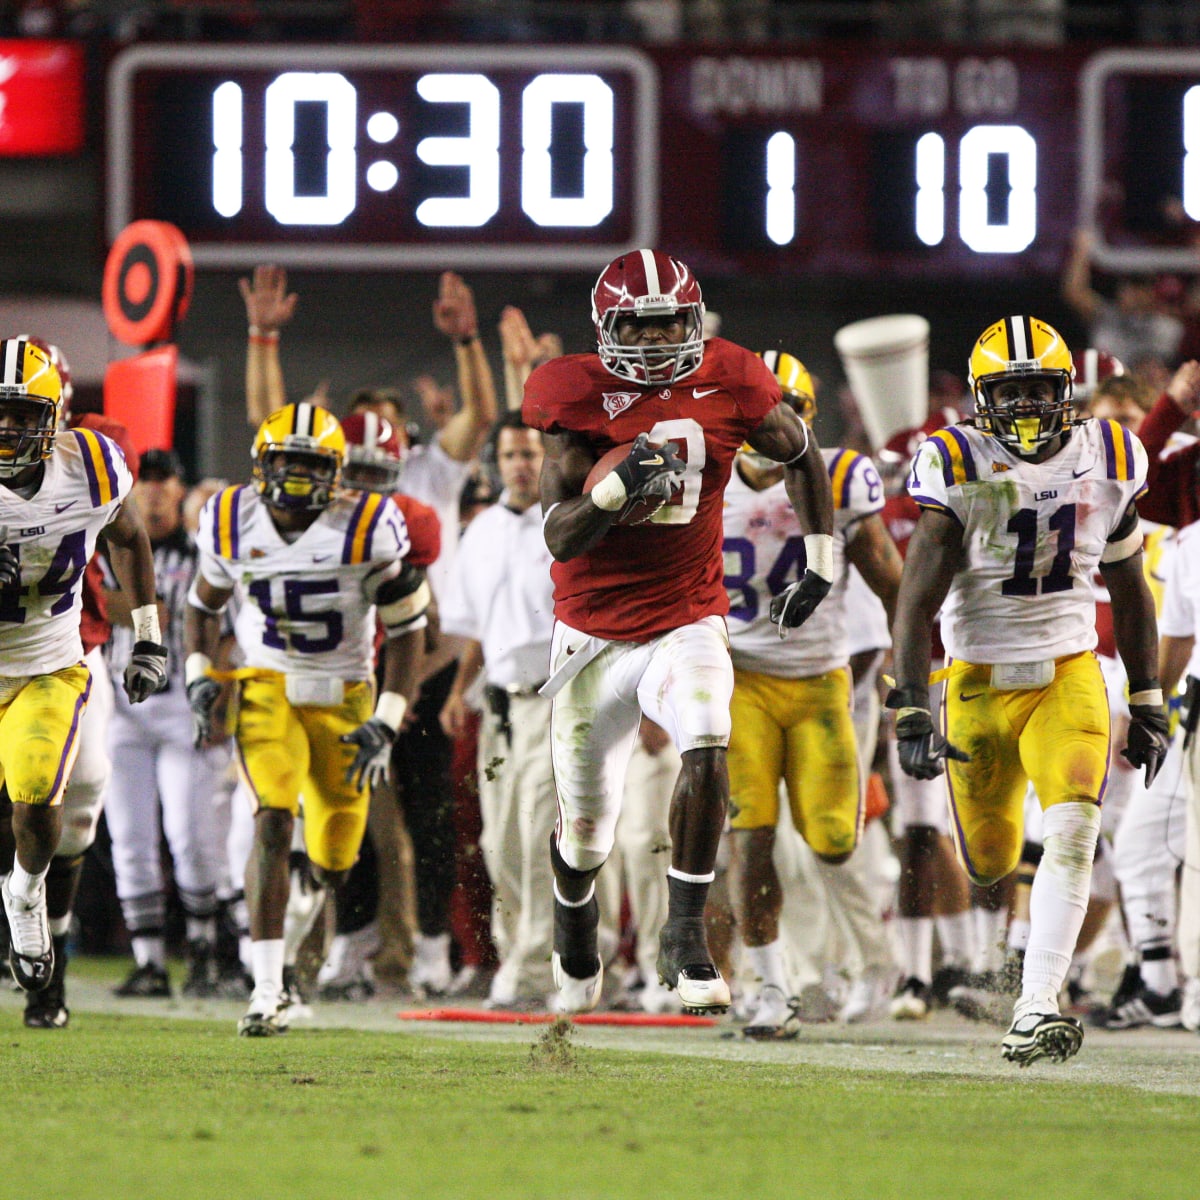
(148, 281)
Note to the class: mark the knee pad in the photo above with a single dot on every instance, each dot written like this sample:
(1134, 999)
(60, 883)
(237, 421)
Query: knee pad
(582, 873)
(1070, 833)
(82, 802)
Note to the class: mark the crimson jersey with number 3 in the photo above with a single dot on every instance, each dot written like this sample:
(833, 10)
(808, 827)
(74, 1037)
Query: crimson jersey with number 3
(643, 580)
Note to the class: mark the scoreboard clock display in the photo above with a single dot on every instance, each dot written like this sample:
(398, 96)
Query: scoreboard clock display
(838, 160)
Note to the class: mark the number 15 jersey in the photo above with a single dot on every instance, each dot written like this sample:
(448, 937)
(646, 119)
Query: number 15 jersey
(1033, 534)
(307, 604)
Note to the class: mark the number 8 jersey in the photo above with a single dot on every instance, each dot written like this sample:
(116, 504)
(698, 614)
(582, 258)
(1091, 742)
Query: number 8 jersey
(1033, 534)
(307, 603)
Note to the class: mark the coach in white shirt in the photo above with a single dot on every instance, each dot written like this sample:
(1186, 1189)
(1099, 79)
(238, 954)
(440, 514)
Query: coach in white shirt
(500, 599)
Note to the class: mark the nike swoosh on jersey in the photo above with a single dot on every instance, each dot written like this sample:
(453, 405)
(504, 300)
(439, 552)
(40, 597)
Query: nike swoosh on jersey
(63, 507)
(1077, 474)
(972, 696)
(322, 557)
(699, 394)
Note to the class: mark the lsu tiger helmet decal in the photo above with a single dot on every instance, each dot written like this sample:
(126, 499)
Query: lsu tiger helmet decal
(298, 453)
(648, 283)
(1021, 374)
(31, 404)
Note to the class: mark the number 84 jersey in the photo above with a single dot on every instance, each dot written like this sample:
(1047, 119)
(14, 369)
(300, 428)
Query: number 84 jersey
(307, 604)
(1033, 534)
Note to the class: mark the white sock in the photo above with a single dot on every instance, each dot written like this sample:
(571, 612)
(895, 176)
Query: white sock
(766, 962)
(202, 929)
(915, 935)
(1018, 933)
(1059, 897)
(990, 935)
(303, 908)
(1151, 921)
(266, 958)
(956, 933)
(147, 950)
(59, 926)
(23, 885)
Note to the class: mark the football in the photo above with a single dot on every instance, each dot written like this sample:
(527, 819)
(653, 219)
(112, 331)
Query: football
(635, 511)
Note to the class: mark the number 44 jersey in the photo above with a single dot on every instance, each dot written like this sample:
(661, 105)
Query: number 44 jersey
(1033, 534)
(307, 603)
(53, 533)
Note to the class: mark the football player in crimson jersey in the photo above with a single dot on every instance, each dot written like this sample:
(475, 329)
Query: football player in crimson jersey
(639, 610)
(59, 491)
(1018, 510)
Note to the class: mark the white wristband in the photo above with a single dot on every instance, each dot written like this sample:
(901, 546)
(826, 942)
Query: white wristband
(818, 551)
(390, 709)
(609, 494)
(196, 667)
(145, 624)
(1152, 696)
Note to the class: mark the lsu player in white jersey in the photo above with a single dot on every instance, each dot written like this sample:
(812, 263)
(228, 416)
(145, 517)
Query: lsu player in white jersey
(59, 491)
(1018, 509)
(312, 566)
(791, 708)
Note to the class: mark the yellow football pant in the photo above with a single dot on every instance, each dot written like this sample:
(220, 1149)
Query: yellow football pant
(1056, 737)
(287, 753)
(39, 733)
(800, 731)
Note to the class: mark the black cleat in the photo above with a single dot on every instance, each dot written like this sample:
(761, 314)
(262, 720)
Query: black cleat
(47, 1009)
(146, 982)
(685, 965)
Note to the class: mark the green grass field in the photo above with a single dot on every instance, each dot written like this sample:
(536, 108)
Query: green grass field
(154, 1106)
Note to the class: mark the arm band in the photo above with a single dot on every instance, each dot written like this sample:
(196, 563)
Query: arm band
(145, 624)
(818, 550)
(196, 667)
(263, 337)
(399, 613)
(807, 441)
(193, 598)
(1123, 548)
(609, 494)
(390, 709)
(1152, 696)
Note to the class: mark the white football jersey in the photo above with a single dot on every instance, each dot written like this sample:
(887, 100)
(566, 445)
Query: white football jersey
(307, 604)
(764, 553)
(1033, 534)
(54, 534)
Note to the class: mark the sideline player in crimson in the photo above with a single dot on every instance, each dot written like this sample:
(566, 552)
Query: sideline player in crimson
(639, 610)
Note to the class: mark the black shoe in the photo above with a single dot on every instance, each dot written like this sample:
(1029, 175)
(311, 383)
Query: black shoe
(945, 978)
(47, 1009)
(1147, 1008)
(685, 965)
(1130, 986)
(146, 982)
(201, 981)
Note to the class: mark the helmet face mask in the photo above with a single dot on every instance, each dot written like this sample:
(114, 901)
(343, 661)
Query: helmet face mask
(298, 455)
(642, 285)
(31, 402)
(1021, 374)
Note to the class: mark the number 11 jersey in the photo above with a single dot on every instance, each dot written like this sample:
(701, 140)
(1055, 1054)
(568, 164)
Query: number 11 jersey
(1033, 534)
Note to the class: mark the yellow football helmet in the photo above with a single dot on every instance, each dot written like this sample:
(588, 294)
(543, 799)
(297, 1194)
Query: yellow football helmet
(795, 381)
(1022, 350)
(298, 453)
(31, 402)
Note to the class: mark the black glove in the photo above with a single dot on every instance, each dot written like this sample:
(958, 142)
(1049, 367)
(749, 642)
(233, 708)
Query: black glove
(10, 568)
(921, 747)
(147, 671)
(374, 740)
(1148, 740)
(797, 602)
(202, 694)
(649, 470)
